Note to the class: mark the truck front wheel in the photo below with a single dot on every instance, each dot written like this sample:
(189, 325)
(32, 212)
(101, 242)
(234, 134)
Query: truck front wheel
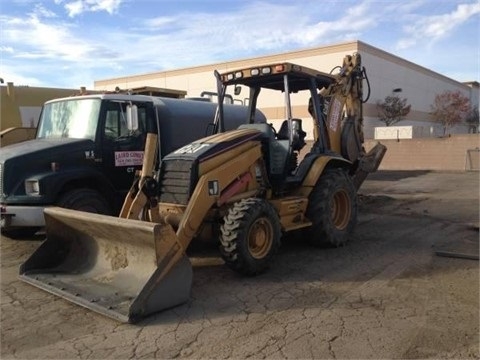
(20, 233)
(88, 200)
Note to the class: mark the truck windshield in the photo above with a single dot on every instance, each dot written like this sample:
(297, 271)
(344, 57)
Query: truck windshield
(76, 118)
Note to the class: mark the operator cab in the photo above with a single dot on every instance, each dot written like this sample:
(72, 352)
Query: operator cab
(282, 147)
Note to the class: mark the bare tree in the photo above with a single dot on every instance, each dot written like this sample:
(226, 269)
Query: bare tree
(449, 109)
(473, 120)
(392, 110)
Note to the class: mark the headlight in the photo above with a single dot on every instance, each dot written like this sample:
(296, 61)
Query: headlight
(32, 187)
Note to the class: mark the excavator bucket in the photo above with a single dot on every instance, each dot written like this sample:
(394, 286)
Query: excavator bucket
(369, 164)
(125, 269)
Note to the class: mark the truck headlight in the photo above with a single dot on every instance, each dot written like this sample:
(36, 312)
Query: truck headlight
(32, 187)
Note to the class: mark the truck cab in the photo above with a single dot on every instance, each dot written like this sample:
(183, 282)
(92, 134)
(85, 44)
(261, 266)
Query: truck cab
(87, 150)
(83, 156)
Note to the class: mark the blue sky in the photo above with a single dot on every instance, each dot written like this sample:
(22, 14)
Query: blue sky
(71, 43)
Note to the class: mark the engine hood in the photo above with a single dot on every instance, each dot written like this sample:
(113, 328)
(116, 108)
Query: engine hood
(213, 145)
(40, 147)
(21, 161)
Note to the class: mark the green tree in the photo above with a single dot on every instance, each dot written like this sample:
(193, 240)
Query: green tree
(449, 109)
(392, 110)
(473, 120)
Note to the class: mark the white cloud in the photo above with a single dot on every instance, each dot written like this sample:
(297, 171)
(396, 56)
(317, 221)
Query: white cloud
(435, 27)
(146, 42)
(174, 41)
(110, 6)
(159, 22)
(78, 7)
(256, 26)
(41, 36)
(41, 11)
(36, 39)
(6, 49)
(74, 8)
(14, 74)
(355, 20)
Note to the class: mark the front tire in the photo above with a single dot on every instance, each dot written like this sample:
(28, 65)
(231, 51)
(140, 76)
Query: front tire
(20, 233)
(332, 208)
(250, 236)
(87, 200)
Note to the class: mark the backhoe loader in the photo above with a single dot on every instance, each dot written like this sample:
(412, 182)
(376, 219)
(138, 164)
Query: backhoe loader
(247, 186)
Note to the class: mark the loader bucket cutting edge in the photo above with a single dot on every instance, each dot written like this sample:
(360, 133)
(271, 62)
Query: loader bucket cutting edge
(106, 264)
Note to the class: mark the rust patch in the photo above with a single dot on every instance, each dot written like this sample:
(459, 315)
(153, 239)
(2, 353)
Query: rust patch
(117, 257)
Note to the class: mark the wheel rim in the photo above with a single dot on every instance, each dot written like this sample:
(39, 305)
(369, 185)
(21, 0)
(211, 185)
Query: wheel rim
(260, 238)
(341, 209)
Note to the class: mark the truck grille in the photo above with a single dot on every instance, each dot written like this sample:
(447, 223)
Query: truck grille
(176, 181)
(1, 179)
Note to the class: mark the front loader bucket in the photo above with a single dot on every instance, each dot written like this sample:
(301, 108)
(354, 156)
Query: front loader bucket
(109, 264)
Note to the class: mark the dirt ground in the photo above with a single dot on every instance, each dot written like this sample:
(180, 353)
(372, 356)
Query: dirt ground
(388, 294)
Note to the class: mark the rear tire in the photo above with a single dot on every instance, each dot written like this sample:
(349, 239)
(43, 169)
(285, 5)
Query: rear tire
(85, 200)
(332, 208)
(250, 236)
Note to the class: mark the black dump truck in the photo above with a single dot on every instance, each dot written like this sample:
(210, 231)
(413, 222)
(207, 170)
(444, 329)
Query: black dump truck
(88, 148)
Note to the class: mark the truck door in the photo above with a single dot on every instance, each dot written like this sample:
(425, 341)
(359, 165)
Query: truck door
(123, 148)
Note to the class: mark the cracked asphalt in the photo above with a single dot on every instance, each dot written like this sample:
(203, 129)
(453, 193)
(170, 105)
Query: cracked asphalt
(386, 294)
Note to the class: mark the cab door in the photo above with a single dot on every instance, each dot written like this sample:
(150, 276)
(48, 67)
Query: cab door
(123, 148)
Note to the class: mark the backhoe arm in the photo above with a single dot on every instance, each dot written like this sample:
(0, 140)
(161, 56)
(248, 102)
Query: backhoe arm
(345, 98)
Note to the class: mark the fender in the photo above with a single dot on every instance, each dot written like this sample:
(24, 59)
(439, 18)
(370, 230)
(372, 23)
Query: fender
(316, 170)
(52, 184)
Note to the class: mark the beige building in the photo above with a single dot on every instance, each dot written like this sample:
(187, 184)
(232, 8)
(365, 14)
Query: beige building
(387, 74)
(21, 105)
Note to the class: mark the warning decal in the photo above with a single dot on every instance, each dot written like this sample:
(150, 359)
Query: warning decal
(213, 188)
(336, 112)
(128, 158)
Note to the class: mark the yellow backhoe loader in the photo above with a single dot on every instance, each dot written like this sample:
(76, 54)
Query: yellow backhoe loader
(245, 184)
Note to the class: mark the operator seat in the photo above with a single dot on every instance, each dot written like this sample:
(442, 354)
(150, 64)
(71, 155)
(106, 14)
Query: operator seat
(282, 134)
(276, 151)
(298, 135)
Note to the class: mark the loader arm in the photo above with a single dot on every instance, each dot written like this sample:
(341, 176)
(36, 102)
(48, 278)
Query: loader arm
(170, 247)
(138, 195)
(239, 161)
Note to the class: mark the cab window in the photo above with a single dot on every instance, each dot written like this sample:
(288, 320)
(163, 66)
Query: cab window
(116, 121)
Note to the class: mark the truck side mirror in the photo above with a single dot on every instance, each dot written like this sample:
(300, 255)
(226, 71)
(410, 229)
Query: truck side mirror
(132, 117)
(237, 90)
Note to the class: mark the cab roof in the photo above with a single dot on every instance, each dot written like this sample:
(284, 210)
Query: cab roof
(120, 97)
(271, 77)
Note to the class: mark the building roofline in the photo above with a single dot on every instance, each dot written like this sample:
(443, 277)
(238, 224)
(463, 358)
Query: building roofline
(472, 84)
(364, 47)
(240, 63)
(348, 46)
